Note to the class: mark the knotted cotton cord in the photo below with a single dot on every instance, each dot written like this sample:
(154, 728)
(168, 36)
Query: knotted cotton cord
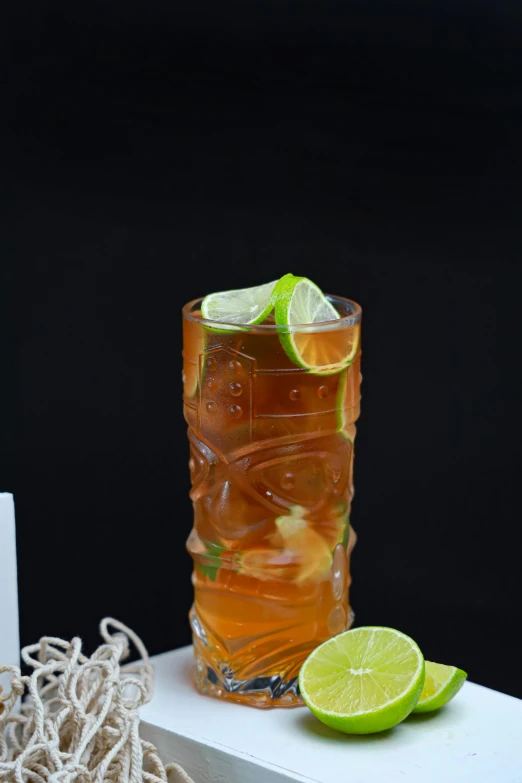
(79, 720)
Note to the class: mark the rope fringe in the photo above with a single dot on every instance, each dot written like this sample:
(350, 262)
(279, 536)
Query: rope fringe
(79, 720)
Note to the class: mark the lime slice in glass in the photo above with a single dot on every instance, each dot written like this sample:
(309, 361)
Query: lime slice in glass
(243, 306)
(343, 397)
(212, 560)
(441, 684)
(364, 680)
(298, 554)
(299, 302)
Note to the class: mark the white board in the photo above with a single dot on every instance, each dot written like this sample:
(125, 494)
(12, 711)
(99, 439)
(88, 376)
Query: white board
(9, 636)
(475, 739)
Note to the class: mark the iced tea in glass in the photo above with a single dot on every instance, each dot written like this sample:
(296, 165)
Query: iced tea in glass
(271, 464)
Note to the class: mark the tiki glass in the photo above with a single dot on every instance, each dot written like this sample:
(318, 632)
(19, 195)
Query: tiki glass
(271, 464)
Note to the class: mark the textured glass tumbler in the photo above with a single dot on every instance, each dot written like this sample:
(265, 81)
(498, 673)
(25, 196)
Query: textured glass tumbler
(271, 464)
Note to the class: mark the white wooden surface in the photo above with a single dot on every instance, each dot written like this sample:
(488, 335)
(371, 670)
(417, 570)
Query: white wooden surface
(475, 739)
(9, 638)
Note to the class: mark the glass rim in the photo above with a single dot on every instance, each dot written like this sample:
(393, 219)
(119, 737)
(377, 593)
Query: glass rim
(350, 319)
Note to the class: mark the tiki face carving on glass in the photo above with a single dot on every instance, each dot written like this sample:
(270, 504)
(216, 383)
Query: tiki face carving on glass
(271, 465)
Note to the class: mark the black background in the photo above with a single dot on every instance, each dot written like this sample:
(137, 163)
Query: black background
(163, 151)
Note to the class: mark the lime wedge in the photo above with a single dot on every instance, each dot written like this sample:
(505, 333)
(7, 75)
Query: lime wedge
(441, 684)
(364, 680)
(243, 306)
(299, 302)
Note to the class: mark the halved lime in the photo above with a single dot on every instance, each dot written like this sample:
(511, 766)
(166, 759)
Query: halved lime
(364, 680)
(441, 684)
(299, 302)
(243, 306)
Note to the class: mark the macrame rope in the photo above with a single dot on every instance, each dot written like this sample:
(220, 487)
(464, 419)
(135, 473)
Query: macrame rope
(79, 720)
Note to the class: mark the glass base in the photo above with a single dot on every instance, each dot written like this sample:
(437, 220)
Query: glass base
(218, 680)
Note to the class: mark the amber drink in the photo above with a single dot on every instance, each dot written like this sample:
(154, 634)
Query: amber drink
(271, 464)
